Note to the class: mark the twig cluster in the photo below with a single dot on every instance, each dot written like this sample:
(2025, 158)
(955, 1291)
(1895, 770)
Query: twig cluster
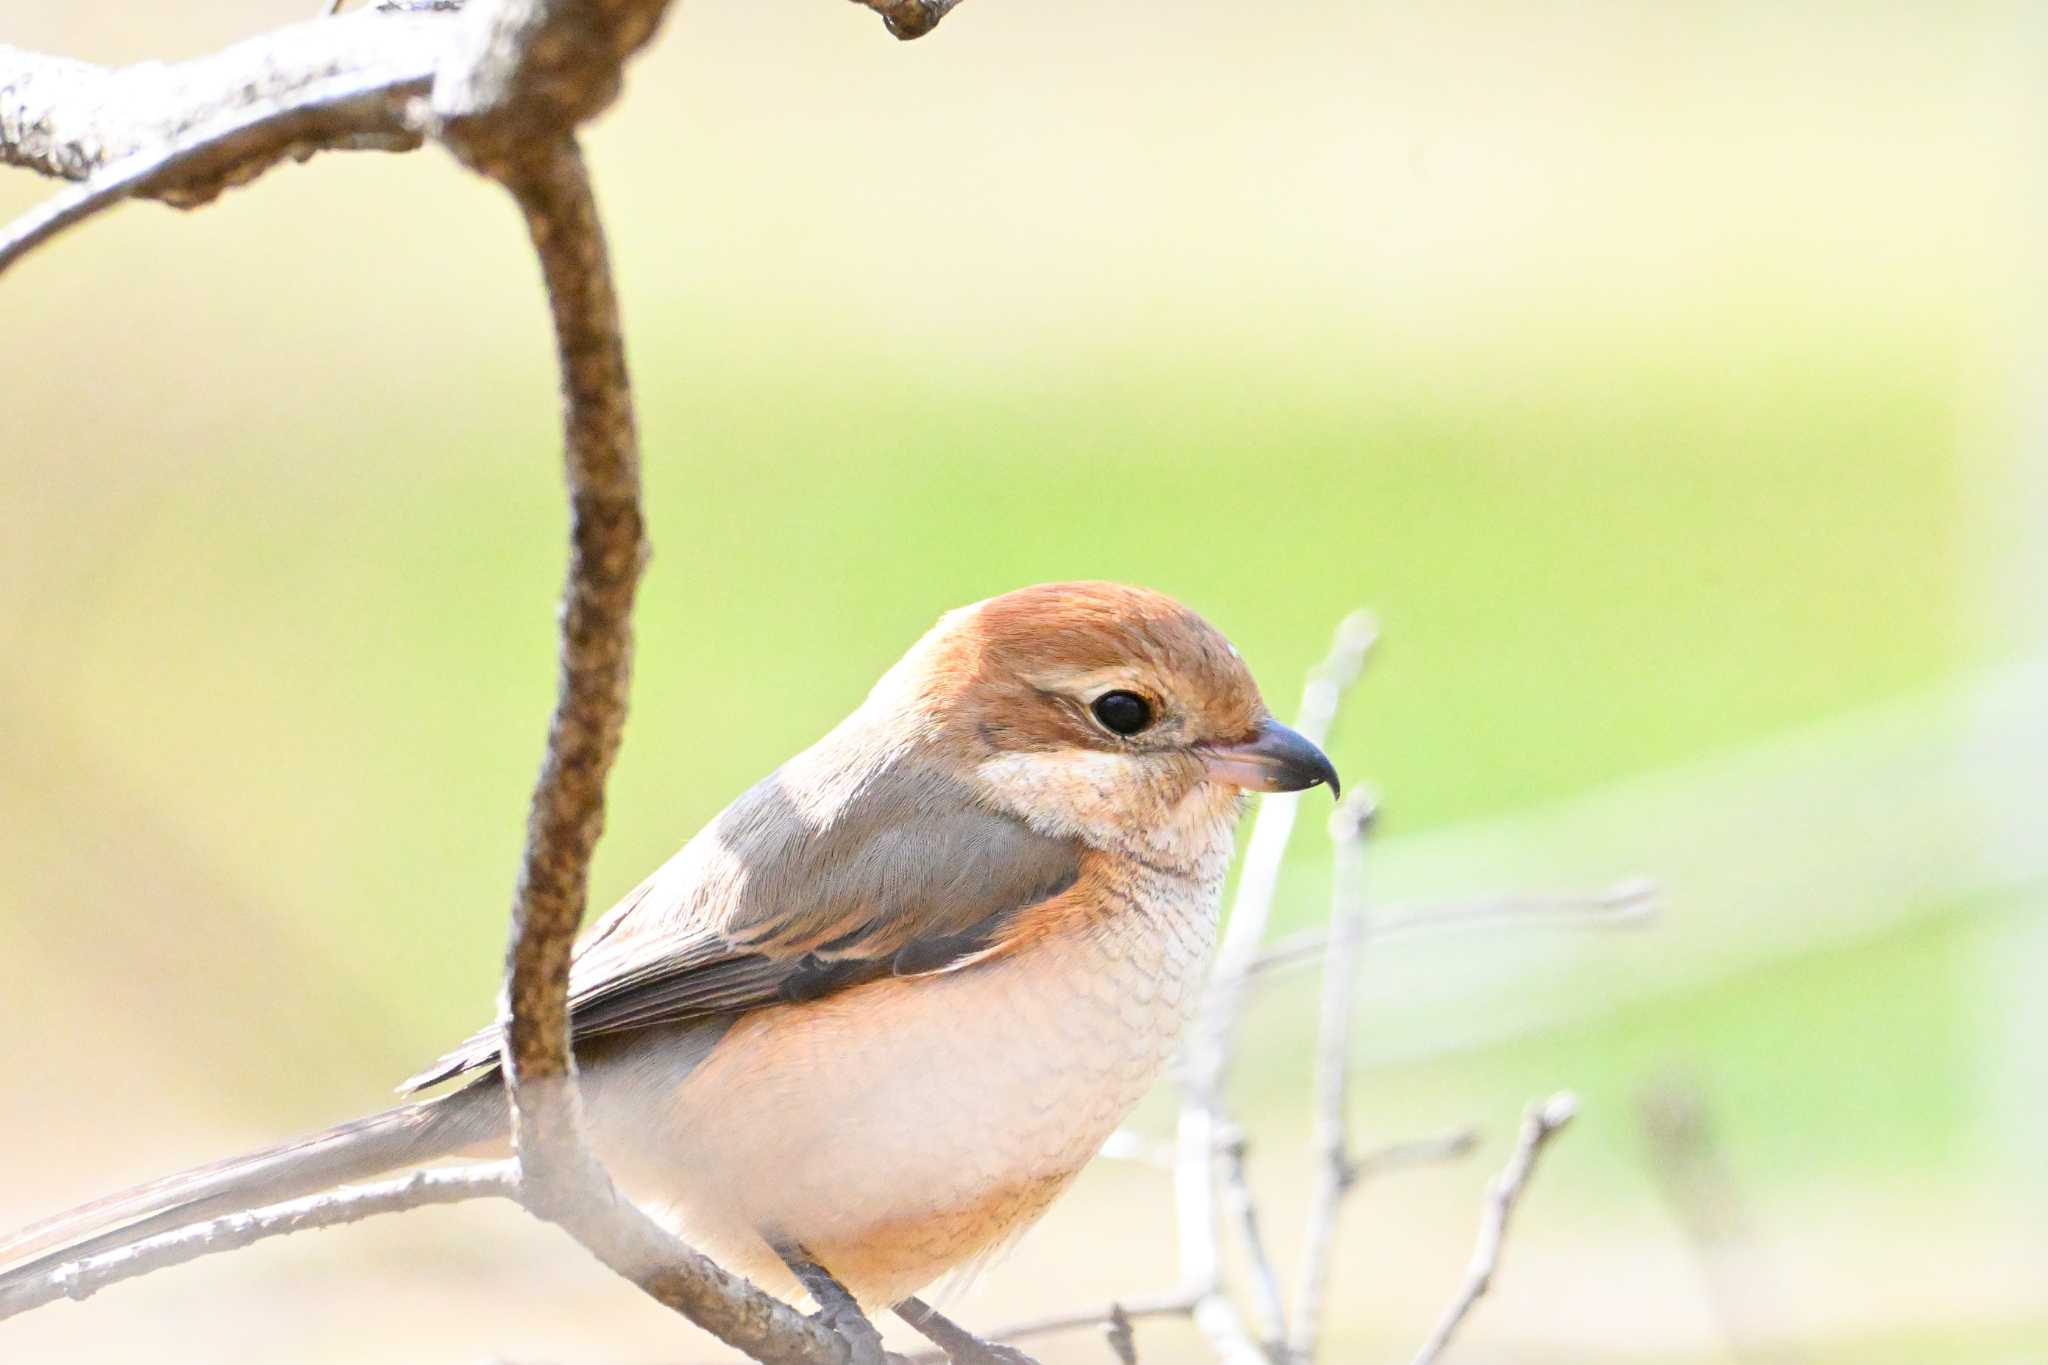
(1203, 1128)
(505, 84)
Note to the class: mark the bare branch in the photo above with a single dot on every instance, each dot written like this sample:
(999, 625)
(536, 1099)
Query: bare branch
(606, 552)
(1173, 1304)
(1205, 1058)
(1399, 1156)
(1127, 1145)
(523, 73)
(347, 111)
(561, 1179)
(1540, 1124)
(1267, 1300)
(1335, 1174)
(505, 78)
(349, 1204)
(1218, 1319)
(183, 132)
(1632, 904)
(72, 119)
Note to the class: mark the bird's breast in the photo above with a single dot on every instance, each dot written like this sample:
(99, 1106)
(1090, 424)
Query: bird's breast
(901, 1128)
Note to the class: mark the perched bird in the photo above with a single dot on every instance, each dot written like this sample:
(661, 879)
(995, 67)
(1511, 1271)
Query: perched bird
(877, 1014)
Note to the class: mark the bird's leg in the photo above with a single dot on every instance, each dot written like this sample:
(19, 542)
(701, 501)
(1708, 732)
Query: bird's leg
(837, 1309)
(961, 1346)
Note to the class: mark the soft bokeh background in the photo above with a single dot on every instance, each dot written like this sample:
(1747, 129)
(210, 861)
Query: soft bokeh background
(1664, 376)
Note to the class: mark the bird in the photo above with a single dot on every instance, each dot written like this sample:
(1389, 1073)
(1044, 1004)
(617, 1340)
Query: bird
(865, 1026)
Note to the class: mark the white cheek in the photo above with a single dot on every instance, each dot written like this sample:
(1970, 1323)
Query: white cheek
(1065, 794)
(1111, 801)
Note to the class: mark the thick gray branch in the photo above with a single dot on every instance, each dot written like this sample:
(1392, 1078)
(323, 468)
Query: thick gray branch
(70, 119)
(509, 74)
(337, 113)
(506, 78)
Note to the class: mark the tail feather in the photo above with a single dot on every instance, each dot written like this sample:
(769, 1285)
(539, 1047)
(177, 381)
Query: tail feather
(457, 1124)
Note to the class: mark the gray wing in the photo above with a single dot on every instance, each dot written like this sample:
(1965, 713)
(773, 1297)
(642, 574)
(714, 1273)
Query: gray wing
(775, 903)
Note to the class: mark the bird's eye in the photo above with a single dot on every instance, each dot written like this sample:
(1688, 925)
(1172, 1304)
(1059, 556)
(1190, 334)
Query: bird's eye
(1122, 713)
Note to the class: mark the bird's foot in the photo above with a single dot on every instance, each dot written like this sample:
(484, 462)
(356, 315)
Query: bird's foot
(961, 1346)
(850, 1325)
(838, 1311)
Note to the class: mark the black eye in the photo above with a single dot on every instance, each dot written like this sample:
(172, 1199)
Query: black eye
(1123, 713)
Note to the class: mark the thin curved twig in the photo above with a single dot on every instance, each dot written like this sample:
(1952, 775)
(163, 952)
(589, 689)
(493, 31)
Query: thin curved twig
(1540, 1124)
(1268, 1302)
(1632, 904)
(1176, 1303)
(561, 1179)
(1335, 1172)
(349, 1204)
(607, 548)
(1399, 1156)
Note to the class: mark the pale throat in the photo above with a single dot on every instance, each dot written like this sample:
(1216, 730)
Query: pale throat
(1111, 803)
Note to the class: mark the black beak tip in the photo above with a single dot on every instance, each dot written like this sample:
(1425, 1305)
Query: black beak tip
(1302, 761)
(1276, 759)
(1321, 772)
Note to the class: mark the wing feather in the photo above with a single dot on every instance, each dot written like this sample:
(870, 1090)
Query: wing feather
(779, 901)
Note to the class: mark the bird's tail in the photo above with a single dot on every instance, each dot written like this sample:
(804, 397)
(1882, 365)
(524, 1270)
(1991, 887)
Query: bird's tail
(470, 1121)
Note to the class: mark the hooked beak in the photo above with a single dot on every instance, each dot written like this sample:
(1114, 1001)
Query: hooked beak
(1276, 759)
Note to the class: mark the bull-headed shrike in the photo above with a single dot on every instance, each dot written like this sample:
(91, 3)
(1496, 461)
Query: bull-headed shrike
(882, 1009)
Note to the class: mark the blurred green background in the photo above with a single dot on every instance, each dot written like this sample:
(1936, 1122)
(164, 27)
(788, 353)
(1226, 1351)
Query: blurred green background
(1664, 377)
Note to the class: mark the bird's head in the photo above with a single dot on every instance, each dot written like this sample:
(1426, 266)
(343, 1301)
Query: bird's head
(1108, 713)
